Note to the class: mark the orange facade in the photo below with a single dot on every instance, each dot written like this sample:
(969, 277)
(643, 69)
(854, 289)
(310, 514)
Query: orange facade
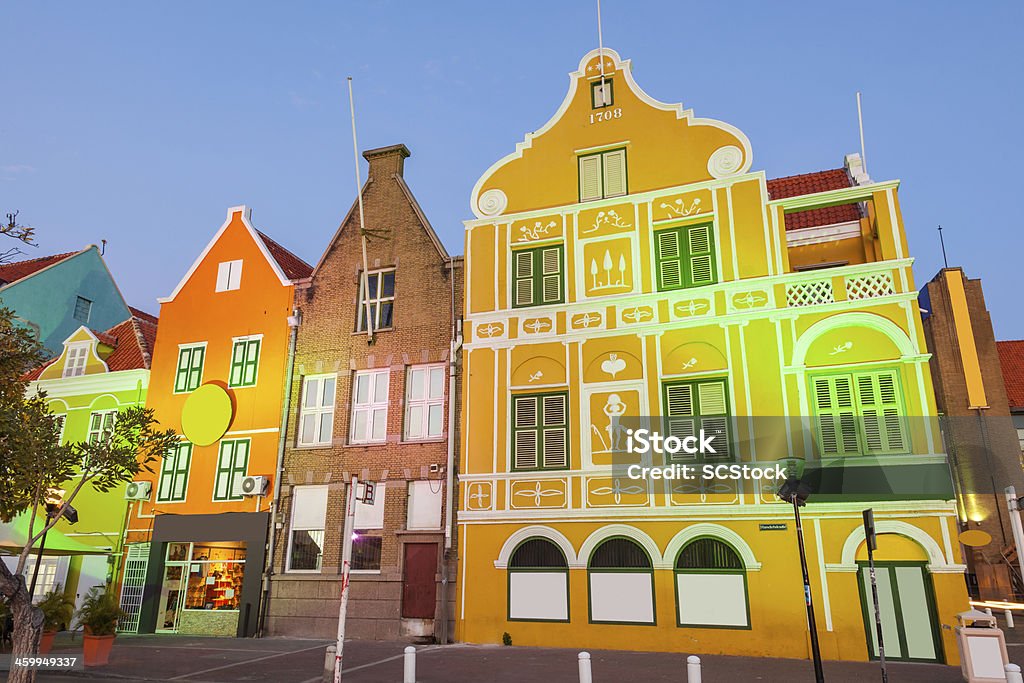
(218, 374)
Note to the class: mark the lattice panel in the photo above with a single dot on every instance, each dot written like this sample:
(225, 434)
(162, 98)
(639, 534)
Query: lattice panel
(810, 293)
(131, 588)
(869, 286)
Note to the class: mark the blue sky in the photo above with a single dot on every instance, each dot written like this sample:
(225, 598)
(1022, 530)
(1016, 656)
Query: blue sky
(140, 123)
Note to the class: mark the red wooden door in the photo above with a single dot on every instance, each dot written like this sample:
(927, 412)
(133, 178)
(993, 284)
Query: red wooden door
(419, 588)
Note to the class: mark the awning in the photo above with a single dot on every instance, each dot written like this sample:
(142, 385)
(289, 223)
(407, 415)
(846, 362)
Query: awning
(14, 536)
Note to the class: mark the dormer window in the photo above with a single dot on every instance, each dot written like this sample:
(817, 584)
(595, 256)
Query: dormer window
(75, 358)
(229, 275)
(83, 308)
(602, 175)
(601, 94)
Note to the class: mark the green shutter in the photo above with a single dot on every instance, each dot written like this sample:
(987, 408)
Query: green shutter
(555, 423)
(538, 276)
(540, 432)
(879, 404)
(590, 178)
(701, 257)
(237, 363)
(685, 257)
(551, 275)
(524, 278)
(525, 449)
(668, 254)
(181, 376)
(713, 407)
(693, 406)
(195, 372)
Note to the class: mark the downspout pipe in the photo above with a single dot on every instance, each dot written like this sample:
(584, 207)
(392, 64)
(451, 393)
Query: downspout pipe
(293, 322)
(449, 514)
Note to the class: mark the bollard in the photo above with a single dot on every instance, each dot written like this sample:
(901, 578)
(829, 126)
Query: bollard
(988, 611)
(1009, 618)
(1013, 674)
(693, 669)
(586, 676)
(329, 663)
(410, 665)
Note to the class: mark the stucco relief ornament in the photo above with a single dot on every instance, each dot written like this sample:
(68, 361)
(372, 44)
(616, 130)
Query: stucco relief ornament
(538, 231)
(617, 489)
(610, 281)
(610, 218)
(538, 493)
(614, 365)
(689, 364)
(842, 348)
(586, 320)
(492, 202)
(535, 376)
(679, 209)
(725, 161)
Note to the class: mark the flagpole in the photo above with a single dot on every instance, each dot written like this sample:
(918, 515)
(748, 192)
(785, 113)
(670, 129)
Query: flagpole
(364, 303)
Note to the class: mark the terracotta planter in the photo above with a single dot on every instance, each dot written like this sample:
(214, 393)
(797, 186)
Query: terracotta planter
(46, 642)
(96, 649)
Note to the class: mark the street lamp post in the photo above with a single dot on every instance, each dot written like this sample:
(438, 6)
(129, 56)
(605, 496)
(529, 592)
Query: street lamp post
(793, 492)
(55, 497)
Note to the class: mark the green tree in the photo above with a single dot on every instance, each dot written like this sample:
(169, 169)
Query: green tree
(34, 466)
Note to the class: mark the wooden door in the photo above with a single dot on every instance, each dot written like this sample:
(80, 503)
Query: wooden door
(907, 606)
(419, 585)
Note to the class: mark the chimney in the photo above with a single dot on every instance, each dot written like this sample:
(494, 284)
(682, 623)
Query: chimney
(386, 161)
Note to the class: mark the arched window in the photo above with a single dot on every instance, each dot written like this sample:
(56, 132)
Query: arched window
(711, 586)
(621, 581)
(538, 582)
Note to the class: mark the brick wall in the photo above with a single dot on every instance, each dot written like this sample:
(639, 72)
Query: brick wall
(427, 285)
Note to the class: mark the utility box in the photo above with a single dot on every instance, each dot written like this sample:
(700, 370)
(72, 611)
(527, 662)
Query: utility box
(983, 657)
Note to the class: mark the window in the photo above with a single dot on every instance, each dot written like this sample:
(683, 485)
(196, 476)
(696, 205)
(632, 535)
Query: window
(75, 359)
(538, 582)
(424, 402)
(174, 474)
(101, 424)
(694, 406)
(621, 582)
(229, 275)
(602, 175)
(601, 93)
(424, 509)
(381, 303)
(59, 421)
(370, 406)
(538, 276)
(366, 553)
(245, 358)
(711, 586)
(859, 414)
(1020, 438)
(539, 431)
(309, 517)
(371, 516)
(316, 418)
(232, 465)
(685, 257)
(189, 374)
(83, 309)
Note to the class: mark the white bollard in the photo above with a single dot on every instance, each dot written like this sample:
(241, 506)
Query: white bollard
(1013, 674)
(586, 676)
(988, 611)
(410, 665)
(693, 669)
(1009, 618)
(329, 664)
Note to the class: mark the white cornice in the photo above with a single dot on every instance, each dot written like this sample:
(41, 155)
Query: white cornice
(822, 233)
(83, 385)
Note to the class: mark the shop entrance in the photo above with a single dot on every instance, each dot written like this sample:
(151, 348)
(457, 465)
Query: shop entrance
(906, 603)
(201, 588)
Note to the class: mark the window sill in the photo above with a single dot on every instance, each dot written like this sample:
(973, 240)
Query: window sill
(433, 439)
(365, 572)
(366, 444)
(375, 330)
(313, 447)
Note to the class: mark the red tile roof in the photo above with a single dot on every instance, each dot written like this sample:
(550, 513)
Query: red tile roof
(1011, 357)
(139, 313)
(12, 272)
(132, 341)
(294, 268)
(809, 183)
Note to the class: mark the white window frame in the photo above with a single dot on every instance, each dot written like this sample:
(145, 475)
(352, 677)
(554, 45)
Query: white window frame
(76, 358)
(229, 275)
(418, 428)
(318, 411)
(373, 407)
(323, 490)
(375, 301)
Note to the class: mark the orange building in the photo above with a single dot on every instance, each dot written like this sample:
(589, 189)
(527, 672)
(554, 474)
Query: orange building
(199, 522)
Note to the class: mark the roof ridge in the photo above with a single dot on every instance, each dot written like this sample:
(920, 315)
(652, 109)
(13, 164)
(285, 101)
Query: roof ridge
(40, 258)
(141, 341)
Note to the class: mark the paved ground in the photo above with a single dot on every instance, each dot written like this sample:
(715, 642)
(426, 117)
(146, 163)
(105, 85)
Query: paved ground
(231, 660)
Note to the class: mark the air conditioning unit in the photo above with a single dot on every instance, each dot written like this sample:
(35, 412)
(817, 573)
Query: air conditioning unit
(251, 486)
(138, 490)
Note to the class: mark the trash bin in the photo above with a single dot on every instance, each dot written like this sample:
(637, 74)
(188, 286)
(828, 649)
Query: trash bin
(982, 648)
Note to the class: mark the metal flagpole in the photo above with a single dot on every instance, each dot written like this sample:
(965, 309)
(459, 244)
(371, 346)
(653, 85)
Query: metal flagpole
(364, 303)
(346, 566)
(819, 675)
(872, 542)
(860, 125)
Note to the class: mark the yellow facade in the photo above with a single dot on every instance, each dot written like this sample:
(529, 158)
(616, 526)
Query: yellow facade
(569, 296)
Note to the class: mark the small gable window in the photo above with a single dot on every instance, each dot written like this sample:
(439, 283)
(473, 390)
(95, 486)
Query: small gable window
(229, 275)
(602, 175)
(75, 359)
(601, 93)
(83, 308)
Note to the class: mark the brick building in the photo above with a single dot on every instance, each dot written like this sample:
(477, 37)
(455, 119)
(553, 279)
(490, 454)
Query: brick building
(378, 408)
(976, 424)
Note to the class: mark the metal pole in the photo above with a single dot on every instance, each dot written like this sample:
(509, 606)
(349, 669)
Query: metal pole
(39, 559)
(346, 565)
(1015, 525)
(860, 125)
(819, 674)
(878, 613)
(364, 301)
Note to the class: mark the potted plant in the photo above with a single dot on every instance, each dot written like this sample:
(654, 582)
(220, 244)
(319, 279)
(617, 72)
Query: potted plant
(98, 616)
(57, 610)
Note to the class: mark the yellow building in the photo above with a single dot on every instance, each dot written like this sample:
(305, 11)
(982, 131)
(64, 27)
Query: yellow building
(625, 262)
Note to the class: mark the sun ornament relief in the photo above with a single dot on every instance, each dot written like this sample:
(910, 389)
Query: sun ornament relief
(725, 161)
(492, 202)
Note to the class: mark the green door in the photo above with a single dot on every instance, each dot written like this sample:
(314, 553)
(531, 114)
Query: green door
(907, 605)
